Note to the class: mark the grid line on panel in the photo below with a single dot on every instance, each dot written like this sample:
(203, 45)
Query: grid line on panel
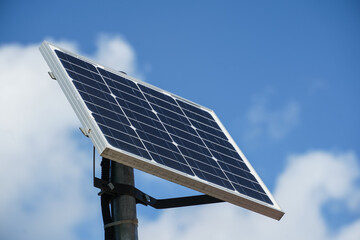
(201, 154)
(124, 113)
(233, 166)
(146, 94)
(139, 113)
(126, 146)
(232, 150)
(174, 104)
(163, 148)
(157, 104)
(204, 135)
(105, 94)
(230, 176)
(159, 129)
(205, 144)
(183, 147)
(109, 88)
(149, 150)
(165, 129)
(197, 114)
(137, 149)
(203, 172)
(120, 83)
(90, 80)
(154, 104)
(245, 179)
(209, 173)
(76, 61)
(189, 125)
(214, 150)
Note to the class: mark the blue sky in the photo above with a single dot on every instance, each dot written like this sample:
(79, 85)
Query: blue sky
(283, 76)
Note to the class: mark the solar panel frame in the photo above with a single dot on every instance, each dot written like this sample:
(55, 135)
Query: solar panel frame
(107, 150)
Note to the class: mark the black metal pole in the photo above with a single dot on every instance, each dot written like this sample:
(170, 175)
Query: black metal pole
(123, 207)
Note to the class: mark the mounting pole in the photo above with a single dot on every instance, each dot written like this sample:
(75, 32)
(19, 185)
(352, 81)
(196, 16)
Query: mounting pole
(123, 207)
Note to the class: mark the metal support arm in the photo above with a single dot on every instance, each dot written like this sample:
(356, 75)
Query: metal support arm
(114, 189)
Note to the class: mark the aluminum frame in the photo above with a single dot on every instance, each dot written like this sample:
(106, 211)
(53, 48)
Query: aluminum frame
(106, 150)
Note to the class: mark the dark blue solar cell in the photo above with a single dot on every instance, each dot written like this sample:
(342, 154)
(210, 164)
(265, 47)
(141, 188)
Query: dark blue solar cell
(241, 181)
(66, 65)
(107, 113)
(116, 78)
(170, 114)
(208, 129)
(140, 103)
(121, 136)
(87, 73)
(221, 149)
(92, 99)
(100, 102)
(114, 124)
(143, 119)
(205, 167)
(201, 119)
(163, 104)
(127, 147)
(175, 156)
(215, 139)
(172, 163)
(60, 54)
(137, 109)
(158, 141)
(82, 71)
(125, 89)
(177, 124)
(259, 188)
(267, 199)
(151, 130)
(230, 160)
(76, 61)
(213, 179)
(126, 137)
(182, 134)
(253, 194)
(88, 81)
(238, 171)
(197, 148)
(80, 87)
(197, 156)
(194, 109)
(99, 94)
(157, 94)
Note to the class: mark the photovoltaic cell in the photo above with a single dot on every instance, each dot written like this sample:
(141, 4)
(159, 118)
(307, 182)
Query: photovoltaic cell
(173, 138)
(151, 124)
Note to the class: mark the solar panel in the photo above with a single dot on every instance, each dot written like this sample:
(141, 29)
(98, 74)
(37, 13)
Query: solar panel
(141, 126)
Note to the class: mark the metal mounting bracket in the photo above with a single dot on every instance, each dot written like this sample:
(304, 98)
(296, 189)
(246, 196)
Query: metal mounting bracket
(110, 190)
(114, 189)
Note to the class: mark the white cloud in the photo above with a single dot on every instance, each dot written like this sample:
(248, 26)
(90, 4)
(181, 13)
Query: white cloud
(117, 53)
(46, 185)
(275, 123)
(307, 183)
